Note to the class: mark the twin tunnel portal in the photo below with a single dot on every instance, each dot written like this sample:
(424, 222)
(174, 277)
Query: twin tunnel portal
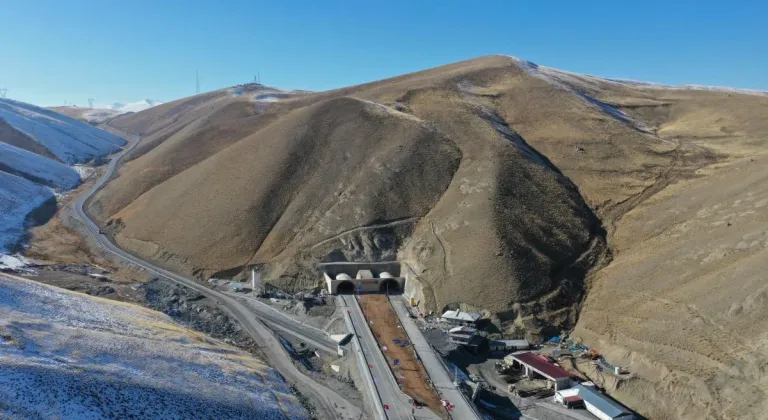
(348, 287)
(344, 278)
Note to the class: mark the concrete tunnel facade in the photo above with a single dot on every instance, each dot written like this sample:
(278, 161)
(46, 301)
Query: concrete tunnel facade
(347, 278)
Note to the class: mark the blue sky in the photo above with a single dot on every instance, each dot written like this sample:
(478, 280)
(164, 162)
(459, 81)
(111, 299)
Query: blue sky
(114, 50)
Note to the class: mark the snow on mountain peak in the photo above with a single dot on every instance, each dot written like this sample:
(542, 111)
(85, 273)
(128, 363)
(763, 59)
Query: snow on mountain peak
(136, 106)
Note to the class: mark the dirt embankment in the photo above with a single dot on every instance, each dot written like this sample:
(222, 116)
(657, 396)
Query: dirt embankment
(407, 369)
(196, 311)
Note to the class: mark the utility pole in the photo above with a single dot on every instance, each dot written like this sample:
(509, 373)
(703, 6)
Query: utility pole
(197, 82)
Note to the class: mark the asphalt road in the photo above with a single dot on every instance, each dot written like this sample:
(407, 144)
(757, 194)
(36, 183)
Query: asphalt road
(330, 403)
(389, 392)
(435, 369)
(283, 323)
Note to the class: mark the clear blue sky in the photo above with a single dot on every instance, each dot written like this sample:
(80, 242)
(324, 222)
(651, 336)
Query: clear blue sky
(128, 50)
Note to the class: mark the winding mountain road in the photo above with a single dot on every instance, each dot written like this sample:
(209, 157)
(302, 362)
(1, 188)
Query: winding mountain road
(330, 403)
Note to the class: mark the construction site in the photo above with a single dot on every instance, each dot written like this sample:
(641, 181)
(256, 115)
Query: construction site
(399, 353)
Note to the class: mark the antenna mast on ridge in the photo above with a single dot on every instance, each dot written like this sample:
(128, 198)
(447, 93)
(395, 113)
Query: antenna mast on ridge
(197, 82)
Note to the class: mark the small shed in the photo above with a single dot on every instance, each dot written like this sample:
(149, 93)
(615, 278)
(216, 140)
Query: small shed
(458, 317)
(569, 398)
(601, 405)
(462, 334)
(537, 365)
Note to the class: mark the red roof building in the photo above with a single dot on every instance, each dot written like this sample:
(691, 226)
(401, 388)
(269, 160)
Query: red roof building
(541, 365)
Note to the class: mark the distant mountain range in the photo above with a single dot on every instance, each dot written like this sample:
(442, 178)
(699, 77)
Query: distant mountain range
(103, 112)
(135, 106)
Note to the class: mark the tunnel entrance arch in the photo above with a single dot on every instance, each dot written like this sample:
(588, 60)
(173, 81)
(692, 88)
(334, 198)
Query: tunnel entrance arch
(390, 287)
(345, 288)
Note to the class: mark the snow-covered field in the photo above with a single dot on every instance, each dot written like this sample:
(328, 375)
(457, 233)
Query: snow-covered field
(70, 140)
(28, 179)
(67, 355)
(18, 197)
(33, 166)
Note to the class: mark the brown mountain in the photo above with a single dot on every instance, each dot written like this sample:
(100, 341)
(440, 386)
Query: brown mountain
(500, 184)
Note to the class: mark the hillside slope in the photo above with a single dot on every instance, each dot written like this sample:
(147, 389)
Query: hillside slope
(682, 302)
(67, 355)
(417, 164)
(69, 140)
(37, 168)
(38, 152)
(102, 114)
(500, 184)
(18, 198)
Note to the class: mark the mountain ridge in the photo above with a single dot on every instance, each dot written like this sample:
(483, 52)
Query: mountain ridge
(535, 218)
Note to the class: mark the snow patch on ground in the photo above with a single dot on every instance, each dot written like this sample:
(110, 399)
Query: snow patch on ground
(650, 85)
(27, 179)
(38, 168)
(18, 197)
(135, 106)
(581, 79)
(100, 115)
(512, 136)
(67, 355)
(377, 107)
(262, 95)
(70, 140)
(13, 262)
(571, 83)
(266, 98)
(84, 171)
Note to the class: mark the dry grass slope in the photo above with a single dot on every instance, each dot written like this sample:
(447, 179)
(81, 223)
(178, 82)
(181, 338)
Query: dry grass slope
(501, 184)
